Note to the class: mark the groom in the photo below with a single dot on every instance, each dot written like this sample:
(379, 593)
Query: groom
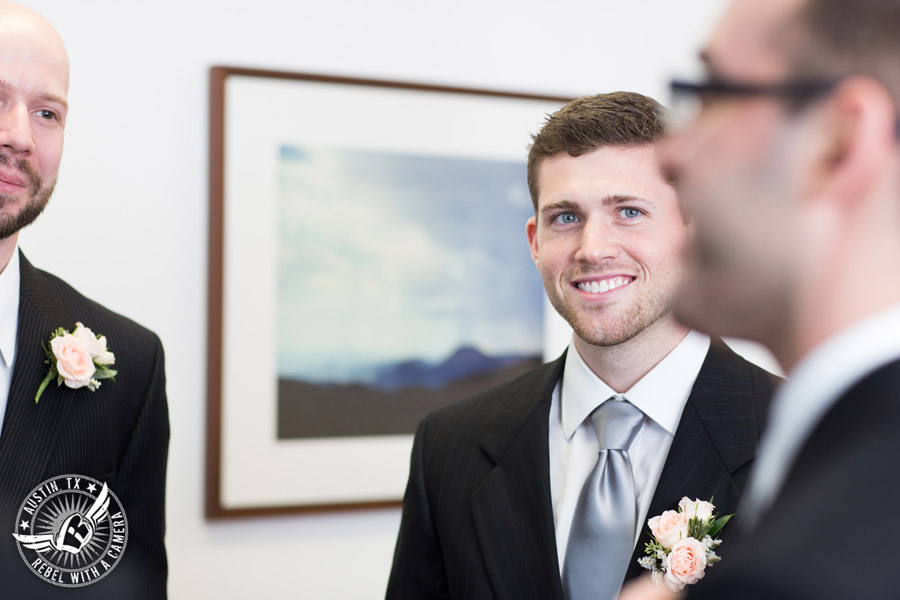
(82, 471)
(492, 509)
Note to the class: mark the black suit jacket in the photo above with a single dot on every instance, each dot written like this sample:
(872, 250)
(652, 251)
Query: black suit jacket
(118, 434)
(477, 516)
(832, 532)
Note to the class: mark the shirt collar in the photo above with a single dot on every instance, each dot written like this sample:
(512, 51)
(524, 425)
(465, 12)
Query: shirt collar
(9, 308)
(832, 368)
(660, 394)
(814, 385)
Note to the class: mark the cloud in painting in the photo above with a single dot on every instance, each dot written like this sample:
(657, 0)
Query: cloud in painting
(386, 257)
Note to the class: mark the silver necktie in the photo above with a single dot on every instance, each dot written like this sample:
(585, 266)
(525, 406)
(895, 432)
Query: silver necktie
(602, 536)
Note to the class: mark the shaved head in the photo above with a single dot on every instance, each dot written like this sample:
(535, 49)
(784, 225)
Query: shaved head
(26, 31)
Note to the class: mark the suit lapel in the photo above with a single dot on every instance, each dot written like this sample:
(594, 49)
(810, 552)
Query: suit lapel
(717, 434)
(29, 429)
(512, 507)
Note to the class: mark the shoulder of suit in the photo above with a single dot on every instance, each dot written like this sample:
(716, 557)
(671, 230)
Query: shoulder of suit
(520, 393)
(92, 314)
(723, 362)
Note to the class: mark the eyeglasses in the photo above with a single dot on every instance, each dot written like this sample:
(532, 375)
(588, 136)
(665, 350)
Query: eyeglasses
(689, 98)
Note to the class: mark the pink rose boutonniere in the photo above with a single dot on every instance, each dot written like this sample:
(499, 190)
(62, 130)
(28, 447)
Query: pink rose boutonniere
(683, 544)
(78, 359)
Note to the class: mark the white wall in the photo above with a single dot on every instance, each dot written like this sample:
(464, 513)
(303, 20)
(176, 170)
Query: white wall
(128, 223)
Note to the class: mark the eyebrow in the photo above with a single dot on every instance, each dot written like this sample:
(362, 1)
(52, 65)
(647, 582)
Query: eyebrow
(704, 56)
(709, 63)
(610, 200)
(6, 85)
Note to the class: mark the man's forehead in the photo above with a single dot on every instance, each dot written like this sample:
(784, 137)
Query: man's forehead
(29, 40)
(743, 45)
(630, 171)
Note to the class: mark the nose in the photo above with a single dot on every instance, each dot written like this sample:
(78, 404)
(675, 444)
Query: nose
(599, 241)
(15, 129)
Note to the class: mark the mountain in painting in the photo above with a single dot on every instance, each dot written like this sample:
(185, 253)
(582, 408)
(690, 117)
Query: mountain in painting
(464, 363)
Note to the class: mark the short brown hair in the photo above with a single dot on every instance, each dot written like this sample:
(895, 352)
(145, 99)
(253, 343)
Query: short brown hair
(591, 122)
(829, 39)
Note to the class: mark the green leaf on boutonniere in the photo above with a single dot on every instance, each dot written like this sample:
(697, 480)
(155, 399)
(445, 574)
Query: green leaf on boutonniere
(44, 385)
(104, 373)
(718, 524)
(697, 528)
(50, 361)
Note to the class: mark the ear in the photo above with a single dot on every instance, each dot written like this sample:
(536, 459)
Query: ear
(531, 234)
(858, 142)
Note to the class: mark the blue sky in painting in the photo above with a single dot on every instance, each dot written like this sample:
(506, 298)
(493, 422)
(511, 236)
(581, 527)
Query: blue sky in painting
(386, 257)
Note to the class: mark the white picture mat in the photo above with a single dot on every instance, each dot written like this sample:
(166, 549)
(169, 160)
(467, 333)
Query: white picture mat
(262, 114)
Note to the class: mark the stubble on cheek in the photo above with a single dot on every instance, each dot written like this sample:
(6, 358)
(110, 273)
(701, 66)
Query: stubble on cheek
(612, 324)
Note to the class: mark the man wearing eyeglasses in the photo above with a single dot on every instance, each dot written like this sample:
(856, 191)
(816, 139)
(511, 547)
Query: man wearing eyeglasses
(790, 172)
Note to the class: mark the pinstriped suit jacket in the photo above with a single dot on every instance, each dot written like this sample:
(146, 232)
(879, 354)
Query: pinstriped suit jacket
(118, 435)
(477, 516)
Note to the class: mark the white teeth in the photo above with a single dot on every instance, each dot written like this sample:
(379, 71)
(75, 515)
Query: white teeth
(605, 285)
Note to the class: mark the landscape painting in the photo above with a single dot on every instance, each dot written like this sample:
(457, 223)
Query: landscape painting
(404, 284)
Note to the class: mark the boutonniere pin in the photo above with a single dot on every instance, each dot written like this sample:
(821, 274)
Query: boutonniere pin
(683, 543)
(78, 359)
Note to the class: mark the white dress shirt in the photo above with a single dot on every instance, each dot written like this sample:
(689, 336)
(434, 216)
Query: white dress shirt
(660, 394)
(9, 324)
(816, 383)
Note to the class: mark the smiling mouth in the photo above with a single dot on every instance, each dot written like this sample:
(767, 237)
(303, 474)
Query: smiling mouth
(604, 285)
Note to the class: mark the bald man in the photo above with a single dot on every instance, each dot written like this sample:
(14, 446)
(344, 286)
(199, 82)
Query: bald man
(84, 427)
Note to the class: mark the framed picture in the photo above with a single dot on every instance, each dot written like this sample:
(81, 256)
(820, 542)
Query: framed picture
(367, 264)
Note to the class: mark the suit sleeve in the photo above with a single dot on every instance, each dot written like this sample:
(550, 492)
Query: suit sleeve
(141, 478)
(418, 570)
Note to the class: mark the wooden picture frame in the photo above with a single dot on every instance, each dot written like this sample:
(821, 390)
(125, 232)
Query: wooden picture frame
(250, 471)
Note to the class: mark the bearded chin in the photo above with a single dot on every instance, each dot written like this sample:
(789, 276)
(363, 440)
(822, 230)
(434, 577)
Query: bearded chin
(12, 222)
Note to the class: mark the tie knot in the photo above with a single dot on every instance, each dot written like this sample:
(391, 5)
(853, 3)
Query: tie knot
(616, 422)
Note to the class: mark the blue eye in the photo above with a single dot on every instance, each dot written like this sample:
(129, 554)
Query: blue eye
(630, 213)
(566, 218)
